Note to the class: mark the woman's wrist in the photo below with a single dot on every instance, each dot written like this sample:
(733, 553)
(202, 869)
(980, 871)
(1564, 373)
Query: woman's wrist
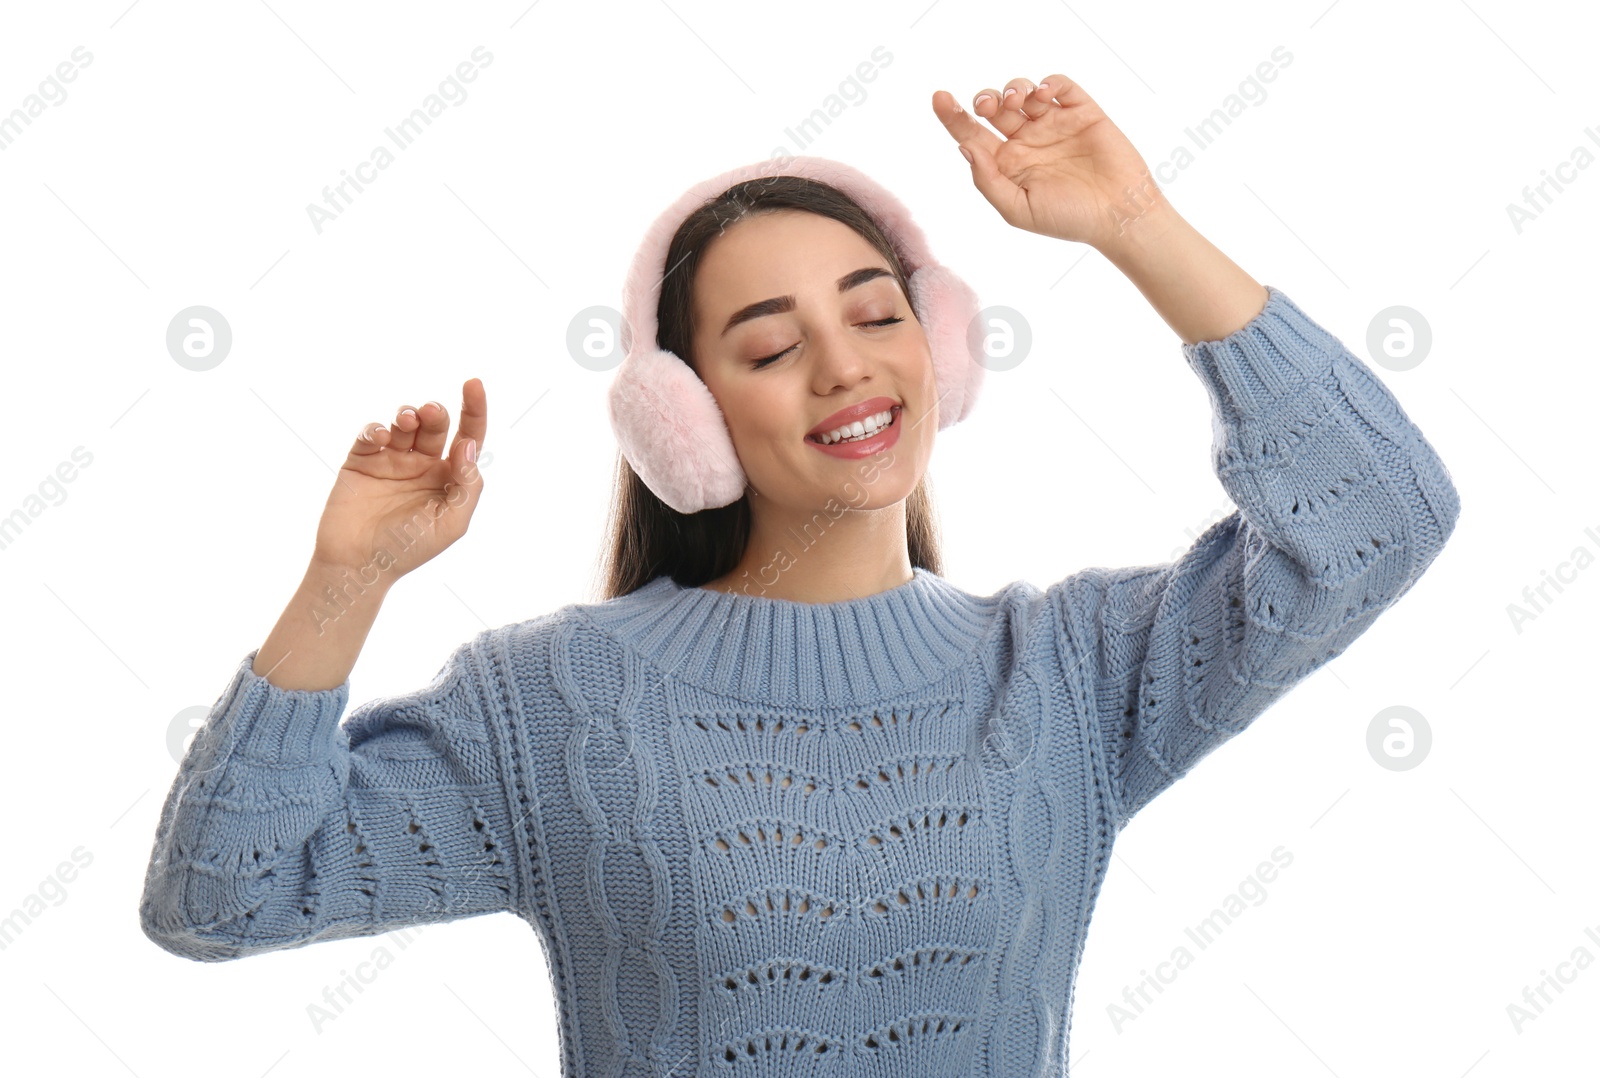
(321, 631)
(1199, 291)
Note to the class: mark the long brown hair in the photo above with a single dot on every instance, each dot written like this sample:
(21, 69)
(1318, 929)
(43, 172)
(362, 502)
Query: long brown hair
(647, 537)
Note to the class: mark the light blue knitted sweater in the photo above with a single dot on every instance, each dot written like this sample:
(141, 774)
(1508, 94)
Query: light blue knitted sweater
(760, 837)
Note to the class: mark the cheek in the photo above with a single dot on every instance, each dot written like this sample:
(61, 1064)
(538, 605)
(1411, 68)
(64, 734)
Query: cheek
(919, 367)
(760, 413)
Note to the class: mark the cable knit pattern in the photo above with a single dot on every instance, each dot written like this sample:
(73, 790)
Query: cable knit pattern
(854, 839)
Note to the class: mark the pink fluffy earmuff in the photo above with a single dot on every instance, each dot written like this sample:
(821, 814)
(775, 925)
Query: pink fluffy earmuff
(667, 422)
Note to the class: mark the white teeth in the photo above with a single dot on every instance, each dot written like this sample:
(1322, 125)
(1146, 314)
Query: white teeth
(859, 429)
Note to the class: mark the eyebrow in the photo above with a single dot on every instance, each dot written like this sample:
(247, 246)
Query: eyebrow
(784, 304)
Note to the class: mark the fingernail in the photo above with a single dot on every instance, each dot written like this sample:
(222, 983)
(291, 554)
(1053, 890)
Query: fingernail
(408, 411)
(472, 450)
(965, 153)
(1009, 91)
(981, 99)
(1044, 86)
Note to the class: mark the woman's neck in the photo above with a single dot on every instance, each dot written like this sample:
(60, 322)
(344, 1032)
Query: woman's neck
(825, 556)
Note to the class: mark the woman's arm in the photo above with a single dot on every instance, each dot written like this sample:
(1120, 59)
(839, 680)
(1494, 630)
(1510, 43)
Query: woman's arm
(1200, 292)
(1342, 505)
(1342, 502)
(320, 633)
(284, 827)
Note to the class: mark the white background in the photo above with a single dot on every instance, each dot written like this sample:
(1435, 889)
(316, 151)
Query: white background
(1376, 171)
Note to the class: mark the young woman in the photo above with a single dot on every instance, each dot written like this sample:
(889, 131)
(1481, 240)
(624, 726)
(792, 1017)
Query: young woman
(786, 801)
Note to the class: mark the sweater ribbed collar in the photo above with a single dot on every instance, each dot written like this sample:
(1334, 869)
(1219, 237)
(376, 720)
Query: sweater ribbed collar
(801, 654)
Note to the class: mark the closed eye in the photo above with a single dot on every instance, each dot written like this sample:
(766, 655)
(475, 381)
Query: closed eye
(759, 363)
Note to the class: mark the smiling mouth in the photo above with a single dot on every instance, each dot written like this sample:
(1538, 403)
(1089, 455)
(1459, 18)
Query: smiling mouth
(893, 412)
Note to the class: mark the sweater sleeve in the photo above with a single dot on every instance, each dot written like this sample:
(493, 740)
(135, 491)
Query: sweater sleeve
(285, 828)
(1341, 505)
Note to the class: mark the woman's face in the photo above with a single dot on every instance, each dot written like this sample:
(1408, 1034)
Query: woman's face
(832, 356)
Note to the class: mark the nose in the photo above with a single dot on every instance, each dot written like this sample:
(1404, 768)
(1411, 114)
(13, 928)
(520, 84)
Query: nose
(836, 362)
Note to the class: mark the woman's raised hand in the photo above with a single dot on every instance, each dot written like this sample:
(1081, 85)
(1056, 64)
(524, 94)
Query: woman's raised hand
(1061, 169)
(396, 502)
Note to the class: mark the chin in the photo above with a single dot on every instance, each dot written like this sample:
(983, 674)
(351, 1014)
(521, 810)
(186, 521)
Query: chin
(872, 483)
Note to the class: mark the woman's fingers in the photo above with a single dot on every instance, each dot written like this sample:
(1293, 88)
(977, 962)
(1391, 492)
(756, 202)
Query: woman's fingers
(423, 430)
(962, 125)
(474, 414)
(1019, 96)
(1003, 108)
(1066, 93)
(466, 483)
(1009, 109)
(435, 425)
(403, 431)
(373, 437)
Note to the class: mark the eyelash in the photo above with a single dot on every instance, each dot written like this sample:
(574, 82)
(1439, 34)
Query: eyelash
(760, 363)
